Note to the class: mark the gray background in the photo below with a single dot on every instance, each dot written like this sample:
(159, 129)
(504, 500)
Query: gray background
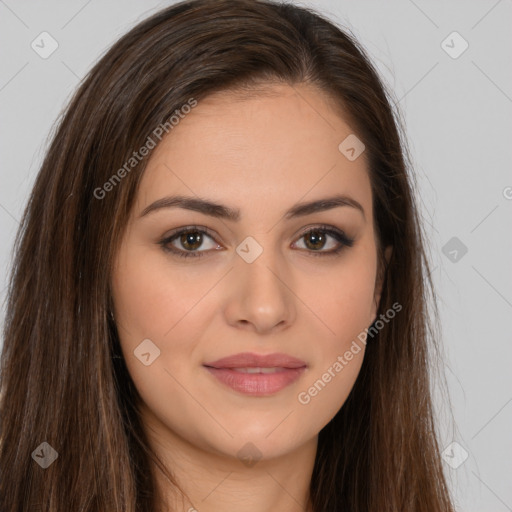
(457, 114)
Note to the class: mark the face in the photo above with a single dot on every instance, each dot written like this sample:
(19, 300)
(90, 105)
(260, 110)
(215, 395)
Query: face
(250, 277)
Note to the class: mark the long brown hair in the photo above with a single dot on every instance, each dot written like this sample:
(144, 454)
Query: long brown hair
(63, 380)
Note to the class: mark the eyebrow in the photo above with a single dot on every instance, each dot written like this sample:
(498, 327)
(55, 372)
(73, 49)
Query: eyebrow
(213, 209)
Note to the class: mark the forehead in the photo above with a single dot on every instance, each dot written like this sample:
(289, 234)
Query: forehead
(273, 147)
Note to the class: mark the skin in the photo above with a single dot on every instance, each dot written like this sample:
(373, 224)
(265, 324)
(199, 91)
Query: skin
(261, 154)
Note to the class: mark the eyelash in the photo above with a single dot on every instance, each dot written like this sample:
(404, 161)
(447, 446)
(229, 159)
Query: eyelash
(329, 230)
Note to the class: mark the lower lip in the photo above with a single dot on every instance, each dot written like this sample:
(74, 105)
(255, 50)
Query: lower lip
(256, 384)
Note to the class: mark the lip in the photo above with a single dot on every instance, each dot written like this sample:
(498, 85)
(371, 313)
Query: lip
(227, 371)
(252, 360)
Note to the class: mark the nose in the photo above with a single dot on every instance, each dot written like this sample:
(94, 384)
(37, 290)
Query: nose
(261, 295)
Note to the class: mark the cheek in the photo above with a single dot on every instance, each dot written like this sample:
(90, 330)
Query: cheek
(153, 301)
(341, 299)
(151, 295)
(329, 386)
(157, 301)
(343, 304)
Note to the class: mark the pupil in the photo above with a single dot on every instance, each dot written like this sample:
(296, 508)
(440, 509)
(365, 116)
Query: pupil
(191, 240)
(317, 238)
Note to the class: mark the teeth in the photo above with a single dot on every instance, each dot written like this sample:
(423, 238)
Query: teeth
(258, 370)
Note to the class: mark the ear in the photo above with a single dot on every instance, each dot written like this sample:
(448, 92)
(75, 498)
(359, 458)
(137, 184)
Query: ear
(380, 280)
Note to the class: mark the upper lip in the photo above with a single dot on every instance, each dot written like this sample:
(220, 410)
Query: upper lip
(250, 360)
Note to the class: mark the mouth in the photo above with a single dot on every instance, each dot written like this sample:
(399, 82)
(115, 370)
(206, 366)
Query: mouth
(258, 370)
(257, 375)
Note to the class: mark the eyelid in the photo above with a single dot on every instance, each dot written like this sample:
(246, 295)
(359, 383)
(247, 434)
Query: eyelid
(168, 238)
(338, 234)
(191, 228)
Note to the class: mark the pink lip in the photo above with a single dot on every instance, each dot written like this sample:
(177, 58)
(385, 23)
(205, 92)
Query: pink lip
(257, 384)
(250, 360)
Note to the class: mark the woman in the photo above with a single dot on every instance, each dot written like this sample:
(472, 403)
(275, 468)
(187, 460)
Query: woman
(219, 298)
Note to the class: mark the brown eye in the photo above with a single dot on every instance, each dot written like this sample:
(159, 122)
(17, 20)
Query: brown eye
(191, 240)
(317, 238)
(186, 242)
